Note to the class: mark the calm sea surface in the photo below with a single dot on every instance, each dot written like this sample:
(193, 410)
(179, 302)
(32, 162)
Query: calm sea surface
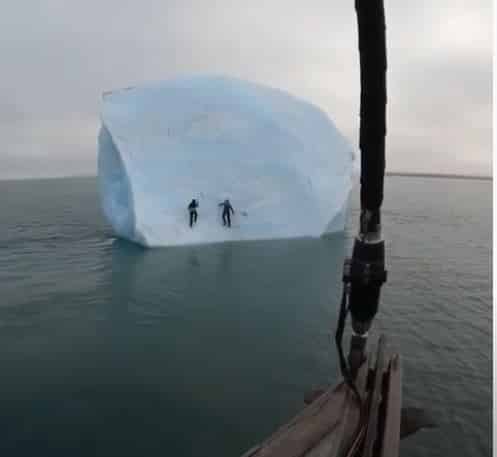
(107, 349)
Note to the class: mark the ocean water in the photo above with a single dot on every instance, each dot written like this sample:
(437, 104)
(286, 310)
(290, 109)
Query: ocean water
(107, 349)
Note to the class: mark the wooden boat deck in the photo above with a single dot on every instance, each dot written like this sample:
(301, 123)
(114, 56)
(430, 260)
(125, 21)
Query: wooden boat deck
(332, 426)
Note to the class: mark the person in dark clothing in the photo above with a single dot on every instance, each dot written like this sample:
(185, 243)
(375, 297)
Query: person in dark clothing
(226, 212)
(192, 208)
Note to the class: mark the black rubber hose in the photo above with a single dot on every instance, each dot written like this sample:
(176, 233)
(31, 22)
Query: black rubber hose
(373, 63)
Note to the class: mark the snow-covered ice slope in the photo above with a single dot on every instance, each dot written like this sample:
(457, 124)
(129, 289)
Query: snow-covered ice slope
(282, 163)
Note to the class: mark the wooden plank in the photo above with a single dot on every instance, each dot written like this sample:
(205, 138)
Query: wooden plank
(362, 375)
(352, 419)
(327, 426)
(326, 447)
(319, 421)
(391, 433)
(309, 411)
(371, 432)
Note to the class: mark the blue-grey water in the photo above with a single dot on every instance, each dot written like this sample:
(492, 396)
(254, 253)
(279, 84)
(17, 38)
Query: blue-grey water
(107, 349)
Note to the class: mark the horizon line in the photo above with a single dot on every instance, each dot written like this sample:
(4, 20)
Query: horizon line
(438, 175)
(414, 174)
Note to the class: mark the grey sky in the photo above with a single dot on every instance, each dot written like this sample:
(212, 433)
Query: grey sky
(58, 56)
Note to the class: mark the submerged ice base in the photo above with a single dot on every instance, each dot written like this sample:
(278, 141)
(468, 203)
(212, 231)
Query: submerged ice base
(282, 163)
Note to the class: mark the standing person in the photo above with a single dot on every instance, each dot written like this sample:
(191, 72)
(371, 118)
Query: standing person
(226, 212)
(192, 208)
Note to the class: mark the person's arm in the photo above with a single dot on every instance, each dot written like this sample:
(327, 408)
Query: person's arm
(232, 210)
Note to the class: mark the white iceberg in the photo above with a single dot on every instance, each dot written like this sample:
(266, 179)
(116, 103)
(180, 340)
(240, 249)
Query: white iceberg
(286, 169)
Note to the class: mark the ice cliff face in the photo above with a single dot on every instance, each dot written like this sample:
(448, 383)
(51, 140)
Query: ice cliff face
(282, 163)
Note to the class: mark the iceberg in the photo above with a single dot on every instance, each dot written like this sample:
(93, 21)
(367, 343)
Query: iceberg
(281, 161)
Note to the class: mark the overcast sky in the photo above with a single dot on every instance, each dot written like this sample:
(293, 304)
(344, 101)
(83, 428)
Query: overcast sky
(58, 56)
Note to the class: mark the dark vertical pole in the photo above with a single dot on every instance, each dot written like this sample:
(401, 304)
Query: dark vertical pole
(373, 62)
(367, 266)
